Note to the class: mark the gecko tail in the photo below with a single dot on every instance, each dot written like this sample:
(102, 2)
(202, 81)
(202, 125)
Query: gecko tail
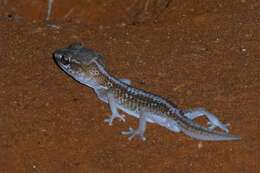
(208, 135)
(199, 132)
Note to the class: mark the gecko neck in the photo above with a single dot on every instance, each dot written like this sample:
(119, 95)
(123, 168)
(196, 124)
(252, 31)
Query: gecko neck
(105, 79)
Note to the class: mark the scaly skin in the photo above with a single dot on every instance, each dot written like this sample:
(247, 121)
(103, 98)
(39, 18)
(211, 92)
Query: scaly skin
(87, 67)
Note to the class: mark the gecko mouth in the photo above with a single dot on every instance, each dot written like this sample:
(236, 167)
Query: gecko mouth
(74, 72)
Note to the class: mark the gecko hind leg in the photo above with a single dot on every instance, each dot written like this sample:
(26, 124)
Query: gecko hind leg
(213, 123)
(139, 131)
(115, 113)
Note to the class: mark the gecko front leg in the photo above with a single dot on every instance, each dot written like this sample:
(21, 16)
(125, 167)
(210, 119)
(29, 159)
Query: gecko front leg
(113, 108)
(140, 130)
(102, 91)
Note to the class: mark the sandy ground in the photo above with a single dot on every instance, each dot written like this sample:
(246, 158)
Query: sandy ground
(196, 53)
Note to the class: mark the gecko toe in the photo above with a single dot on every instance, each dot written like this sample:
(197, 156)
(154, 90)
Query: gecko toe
(133, 133)
(223, 127)
(110, 119)
(122, 117)
(129, 132)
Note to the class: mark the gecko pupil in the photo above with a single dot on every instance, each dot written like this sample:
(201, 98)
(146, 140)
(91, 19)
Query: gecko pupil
(65, 60)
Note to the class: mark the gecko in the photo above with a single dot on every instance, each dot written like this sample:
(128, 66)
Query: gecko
(88, 67)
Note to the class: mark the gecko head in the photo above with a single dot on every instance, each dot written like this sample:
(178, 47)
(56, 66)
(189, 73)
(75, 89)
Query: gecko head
(75, 59)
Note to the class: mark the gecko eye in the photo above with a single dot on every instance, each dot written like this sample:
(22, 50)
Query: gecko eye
(65, 60)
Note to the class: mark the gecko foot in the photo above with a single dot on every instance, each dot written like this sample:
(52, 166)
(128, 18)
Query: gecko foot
(110, 119)
(223, 126)
(134, 132)
(213, 120)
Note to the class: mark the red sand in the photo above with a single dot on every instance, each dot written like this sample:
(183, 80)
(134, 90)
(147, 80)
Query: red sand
(203, 53)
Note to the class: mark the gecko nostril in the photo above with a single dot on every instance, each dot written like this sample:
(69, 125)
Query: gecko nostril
(57, 56)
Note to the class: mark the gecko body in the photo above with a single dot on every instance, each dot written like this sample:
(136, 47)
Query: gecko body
(87, 67)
